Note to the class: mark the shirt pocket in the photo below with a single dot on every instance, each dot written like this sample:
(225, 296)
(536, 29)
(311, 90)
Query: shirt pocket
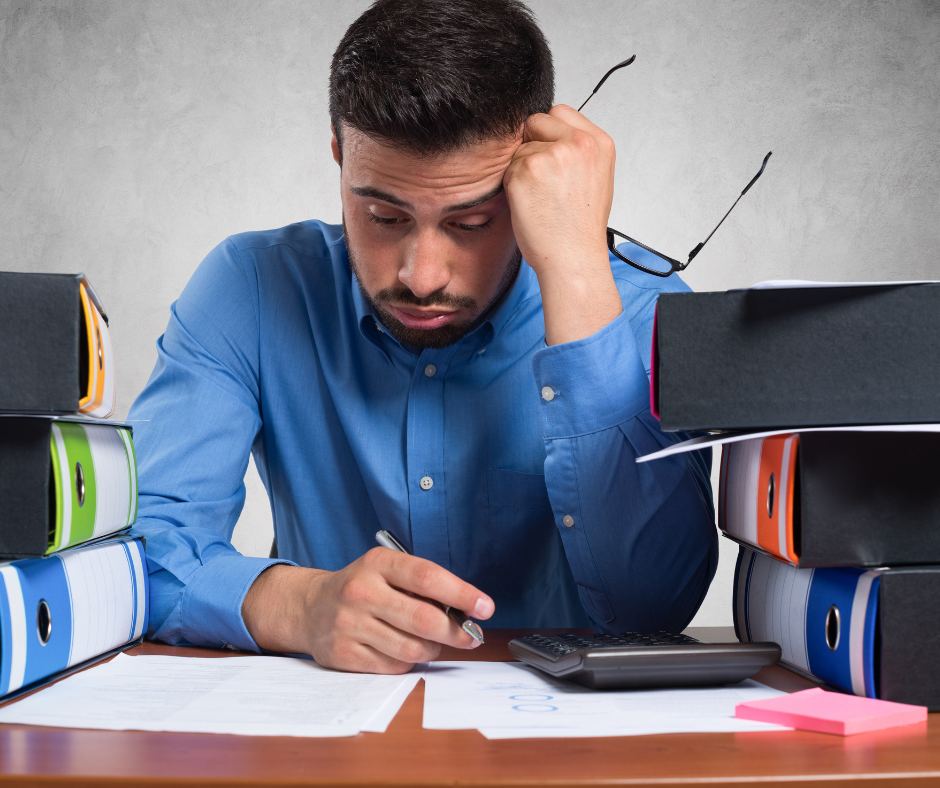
(516, 490)
(526, 547)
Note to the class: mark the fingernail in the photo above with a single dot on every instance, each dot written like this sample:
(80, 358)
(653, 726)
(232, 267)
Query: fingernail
(475, 643)
(483, 608)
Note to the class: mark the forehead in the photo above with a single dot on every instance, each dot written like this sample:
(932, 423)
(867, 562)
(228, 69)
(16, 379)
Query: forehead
(467, 171)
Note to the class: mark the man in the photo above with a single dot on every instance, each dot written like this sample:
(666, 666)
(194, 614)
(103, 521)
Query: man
(462, 363)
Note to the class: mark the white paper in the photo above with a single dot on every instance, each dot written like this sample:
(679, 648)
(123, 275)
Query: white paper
(512, 700)
(252, 696)
(704, 441)
(790, 284)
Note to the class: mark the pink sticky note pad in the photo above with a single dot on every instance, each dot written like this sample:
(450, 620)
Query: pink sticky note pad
(831, 712)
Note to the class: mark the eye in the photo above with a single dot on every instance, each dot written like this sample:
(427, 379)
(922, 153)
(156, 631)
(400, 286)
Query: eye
(472, 228)
(385, 221)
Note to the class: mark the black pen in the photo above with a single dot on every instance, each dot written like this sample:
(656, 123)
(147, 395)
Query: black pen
(387, 539)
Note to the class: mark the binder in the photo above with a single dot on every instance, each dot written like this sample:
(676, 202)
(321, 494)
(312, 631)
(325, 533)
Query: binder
(59, 612)
(55, 348)
(834, 498)
(872, 633)
(797, 357)
(62, 483)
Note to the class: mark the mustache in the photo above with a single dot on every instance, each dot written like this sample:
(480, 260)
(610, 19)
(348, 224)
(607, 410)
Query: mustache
(402, 295)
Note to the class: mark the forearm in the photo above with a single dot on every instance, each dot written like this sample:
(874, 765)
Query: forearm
(577, 300)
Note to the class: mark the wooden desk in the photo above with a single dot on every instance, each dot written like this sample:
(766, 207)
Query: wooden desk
(407, 755)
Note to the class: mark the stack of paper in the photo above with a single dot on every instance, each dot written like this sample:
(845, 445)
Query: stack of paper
(506, 700)
(255, 696)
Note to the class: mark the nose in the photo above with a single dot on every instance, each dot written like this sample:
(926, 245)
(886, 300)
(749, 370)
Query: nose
(424, 269)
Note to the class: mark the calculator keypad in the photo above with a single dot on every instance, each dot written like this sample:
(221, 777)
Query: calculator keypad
(557, 646)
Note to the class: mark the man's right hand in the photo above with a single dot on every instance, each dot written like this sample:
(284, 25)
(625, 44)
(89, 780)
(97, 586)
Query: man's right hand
(370, 617)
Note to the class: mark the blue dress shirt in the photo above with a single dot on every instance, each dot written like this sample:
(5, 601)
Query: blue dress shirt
(530, 490)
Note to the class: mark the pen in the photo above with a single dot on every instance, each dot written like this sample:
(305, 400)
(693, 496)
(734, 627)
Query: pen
(387, 539)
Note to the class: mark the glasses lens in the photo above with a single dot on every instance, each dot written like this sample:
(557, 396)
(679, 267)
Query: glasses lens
(644, 258)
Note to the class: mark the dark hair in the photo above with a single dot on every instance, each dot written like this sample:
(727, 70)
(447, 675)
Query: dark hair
(432, 76)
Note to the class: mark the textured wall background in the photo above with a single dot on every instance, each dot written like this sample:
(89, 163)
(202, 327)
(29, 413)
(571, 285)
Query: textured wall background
(134, 136)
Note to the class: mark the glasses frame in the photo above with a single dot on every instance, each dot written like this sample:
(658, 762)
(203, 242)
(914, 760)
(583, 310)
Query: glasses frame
(612, 234)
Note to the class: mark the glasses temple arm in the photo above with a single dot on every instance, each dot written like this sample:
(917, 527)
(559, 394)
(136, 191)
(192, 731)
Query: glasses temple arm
(698, 248)
(626, 62)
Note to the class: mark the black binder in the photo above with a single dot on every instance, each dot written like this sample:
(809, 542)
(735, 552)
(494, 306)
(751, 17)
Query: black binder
(797, 357)
(55, 351)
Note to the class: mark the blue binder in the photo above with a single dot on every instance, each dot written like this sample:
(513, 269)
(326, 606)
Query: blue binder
(63, 611)
(823, 619)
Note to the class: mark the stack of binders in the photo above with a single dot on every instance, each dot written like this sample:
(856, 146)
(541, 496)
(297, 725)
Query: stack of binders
(73, 585)
(826, 400)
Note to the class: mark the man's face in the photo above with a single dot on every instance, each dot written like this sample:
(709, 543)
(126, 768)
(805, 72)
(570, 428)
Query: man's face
(430, 240)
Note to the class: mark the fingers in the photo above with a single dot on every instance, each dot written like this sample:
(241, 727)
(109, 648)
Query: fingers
(559, 123)
(362, 658)
(427, 579)
(427, 621)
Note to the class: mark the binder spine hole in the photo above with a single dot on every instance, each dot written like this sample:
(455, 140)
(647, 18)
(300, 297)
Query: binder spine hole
(43, 622)
(770, 496)
(79, 484)
(833, 628)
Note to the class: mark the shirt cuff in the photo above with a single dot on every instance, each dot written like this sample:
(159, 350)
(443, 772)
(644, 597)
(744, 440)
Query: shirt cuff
(591, 384)
(211, 609)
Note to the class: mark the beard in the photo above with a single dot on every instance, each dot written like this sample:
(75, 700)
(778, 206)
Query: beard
(433, 338)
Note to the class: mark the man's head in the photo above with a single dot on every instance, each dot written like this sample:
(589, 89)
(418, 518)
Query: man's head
(427, 100)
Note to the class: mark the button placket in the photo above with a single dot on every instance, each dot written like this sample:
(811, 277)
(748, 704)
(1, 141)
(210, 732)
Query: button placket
(425, 456)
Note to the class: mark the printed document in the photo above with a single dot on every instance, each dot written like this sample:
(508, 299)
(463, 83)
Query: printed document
(510, 700)
(252, 696)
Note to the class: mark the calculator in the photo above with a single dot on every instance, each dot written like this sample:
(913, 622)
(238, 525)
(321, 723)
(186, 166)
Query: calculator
(632, 660)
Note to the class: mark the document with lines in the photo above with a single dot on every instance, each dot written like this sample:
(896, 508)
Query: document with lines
(253, 696)
(508, 700)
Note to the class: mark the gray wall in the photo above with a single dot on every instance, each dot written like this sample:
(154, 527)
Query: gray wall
(134, 136)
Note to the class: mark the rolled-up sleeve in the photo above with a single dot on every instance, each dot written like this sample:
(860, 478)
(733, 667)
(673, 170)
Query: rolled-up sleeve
(194, 426)
(640, 538)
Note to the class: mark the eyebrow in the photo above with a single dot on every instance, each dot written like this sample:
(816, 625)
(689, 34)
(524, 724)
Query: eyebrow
(378, 194)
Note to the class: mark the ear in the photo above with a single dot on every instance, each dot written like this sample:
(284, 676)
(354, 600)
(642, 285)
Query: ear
(334, 144)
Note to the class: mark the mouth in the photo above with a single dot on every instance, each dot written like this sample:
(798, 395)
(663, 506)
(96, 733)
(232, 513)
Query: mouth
(424, 319)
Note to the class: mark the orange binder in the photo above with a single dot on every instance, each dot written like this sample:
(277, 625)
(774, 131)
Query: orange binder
(98, 399)
(756, 499)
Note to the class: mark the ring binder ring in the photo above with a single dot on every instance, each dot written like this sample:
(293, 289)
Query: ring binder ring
(80, 484)
(833, 628)
(770, 496)
(43, 622)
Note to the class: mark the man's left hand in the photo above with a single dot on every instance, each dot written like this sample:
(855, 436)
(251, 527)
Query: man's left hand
(560, 186)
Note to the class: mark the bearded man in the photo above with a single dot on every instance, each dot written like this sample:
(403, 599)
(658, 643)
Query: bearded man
(462, 363)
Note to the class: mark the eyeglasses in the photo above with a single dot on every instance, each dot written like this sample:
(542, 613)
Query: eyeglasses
(640, 255)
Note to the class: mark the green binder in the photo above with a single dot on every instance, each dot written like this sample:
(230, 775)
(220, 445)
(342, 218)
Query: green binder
(64, 483)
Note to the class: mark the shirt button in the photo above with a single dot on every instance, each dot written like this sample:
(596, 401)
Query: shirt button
(568, 520)
(426, 482)
(548, 393)
(379, 327)
(429, 370)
